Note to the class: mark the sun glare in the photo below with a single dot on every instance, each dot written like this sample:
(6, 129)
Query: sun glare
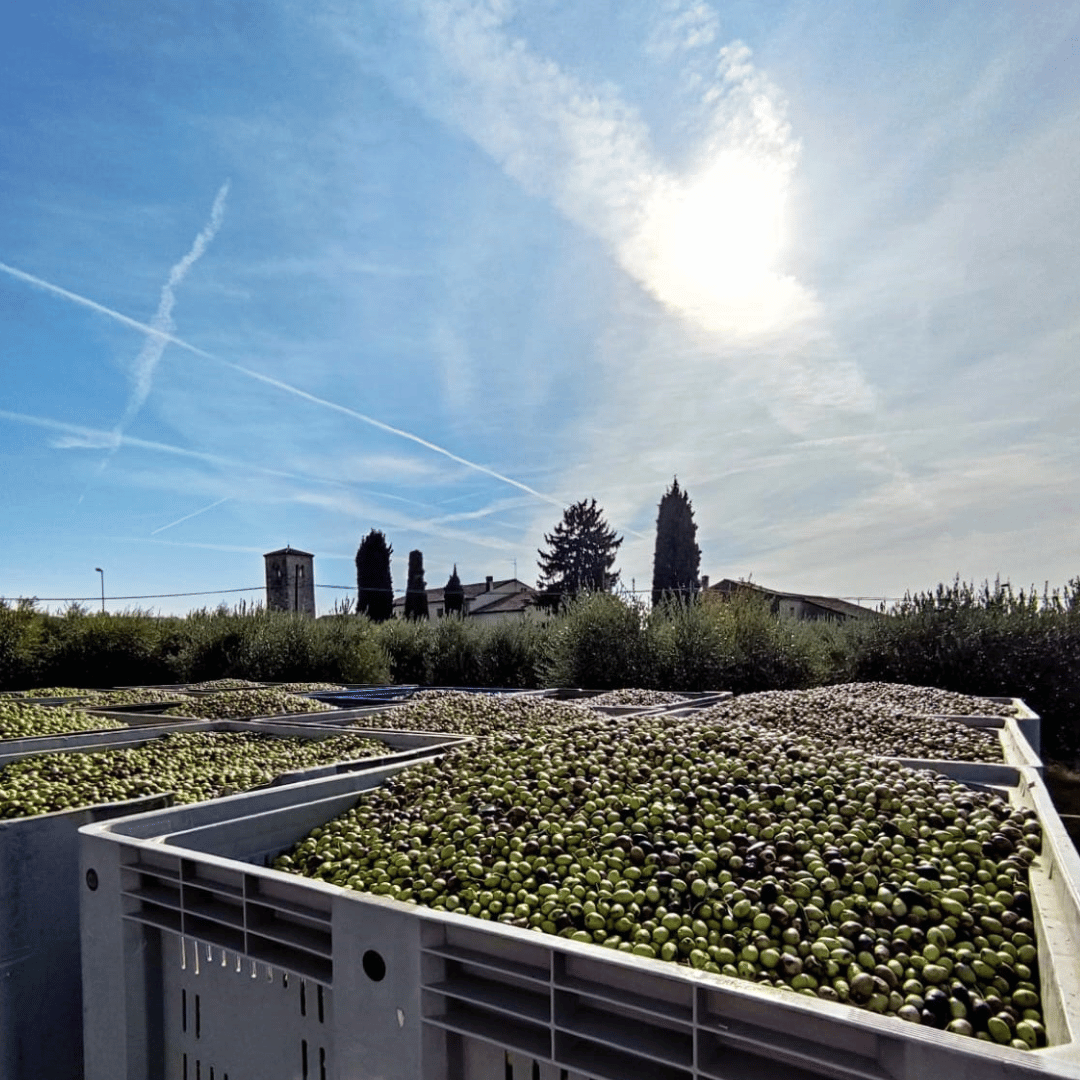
(709, 246)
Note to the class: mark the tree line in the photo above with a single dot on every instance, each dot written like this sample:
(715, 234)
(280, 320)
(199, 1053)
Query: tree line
(579, 558)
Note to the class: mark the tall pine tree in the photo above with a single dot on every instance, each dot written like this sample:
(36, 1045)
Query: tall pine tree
(677, 558)
(580, 555)
(374, 586)
(454, 594)
(416, 606)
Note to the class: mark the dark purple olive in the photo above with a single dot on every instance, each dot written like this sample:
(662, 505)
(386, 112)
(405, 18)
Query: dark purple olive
(937, 1002)
(979, 1013)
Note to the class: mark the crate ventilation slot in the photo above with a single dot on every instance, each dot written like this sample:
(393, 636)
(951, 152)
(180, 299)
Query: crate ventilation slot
(231, 913)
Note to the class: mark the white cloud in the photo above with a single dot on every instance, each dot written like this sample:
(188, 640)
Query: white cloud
(682, 26)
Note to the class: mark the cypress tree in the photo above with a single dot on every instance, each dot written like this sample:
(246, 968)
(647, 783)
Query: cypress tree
(677, 558)
(454, 594)
(581, 553)
(374, 586)
(416, 605)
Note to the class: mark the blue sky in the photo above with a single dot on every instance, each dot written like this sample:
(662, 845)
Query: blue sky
(284, 272)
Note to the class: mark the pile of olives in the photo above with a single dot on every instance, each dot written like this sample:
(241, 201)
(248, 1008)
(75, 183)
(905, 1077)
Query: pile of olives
(456, 712)
(759, 854)
(308, 687)
(195, 766)
(21, 719)
(642, 698)
(920, 699)
(245, 704)
(225, 684)
(55, 692)
(140, 695)
(838, 717)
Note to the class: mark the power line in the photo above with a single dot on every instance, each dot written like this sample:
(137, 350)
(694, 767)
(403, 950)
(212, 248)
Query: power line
(145, 596)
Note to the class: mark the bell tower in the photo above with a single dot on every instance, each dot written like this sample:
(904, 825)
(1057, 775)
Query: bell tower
(290, 581)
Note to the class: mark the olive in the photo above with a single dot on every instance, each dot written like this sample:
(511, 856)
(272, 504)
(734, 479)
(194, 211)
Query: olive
(937, 1002)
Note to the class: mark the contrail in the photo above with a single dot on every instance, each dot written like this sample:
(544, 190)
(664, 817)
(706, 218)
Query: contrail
(154, 347)
(345, 411)
(171, 339)
(188, 517)
(95, 439)
(75, 298)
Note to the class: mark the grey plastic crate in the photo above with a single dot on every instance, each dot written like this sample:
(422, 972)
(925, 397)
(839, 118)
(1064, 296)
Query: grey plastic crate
(1016, 751)
(198, 958)
(1028, 722)
(1019, 745)
(40, 989)
(140, 716)
(40, 979)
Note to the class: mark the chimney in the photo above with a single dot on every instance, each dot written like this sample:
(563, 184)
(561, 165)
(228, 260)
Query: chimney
(487, 585)
(704, 582)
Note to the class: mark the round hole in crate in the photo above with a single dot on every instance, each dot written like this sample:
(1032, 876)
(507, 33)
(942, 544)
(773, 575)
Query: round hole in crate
(91, 879)
(374, 966)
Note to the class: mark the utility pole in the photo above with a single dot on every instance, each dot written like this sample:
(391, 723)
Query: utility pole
(102, 573)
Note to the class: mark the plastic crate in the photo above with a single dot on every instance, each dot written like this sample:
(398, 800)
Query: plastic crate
(1027, 720)
(367, 695)
(1019, 744)
(1015, 748)
(202, 962)
(40, 980)
(144, 715)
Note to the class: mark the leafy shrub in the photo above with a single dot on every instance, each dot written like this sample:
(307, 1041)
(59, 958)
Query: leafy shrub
(20, 645)
(511, 652)
(101, 649)
(598, 641)
(455, 648)
(407, 643)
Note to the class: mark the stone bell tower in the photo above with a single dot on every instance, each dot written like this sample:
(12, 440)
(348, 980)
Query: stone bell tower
(290, 581)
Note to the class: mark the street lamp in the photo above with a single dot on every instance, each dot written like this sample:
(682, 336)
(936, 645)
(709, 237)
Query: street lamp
(102, 573)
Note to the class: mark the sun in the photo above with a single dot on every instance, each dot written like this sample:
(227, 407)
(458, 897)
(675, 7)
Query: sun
(710, 243)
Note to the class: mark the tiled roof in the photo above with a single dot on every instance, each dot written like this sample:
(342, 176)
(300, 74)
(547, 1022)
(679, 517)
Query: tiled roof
(518, 601)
